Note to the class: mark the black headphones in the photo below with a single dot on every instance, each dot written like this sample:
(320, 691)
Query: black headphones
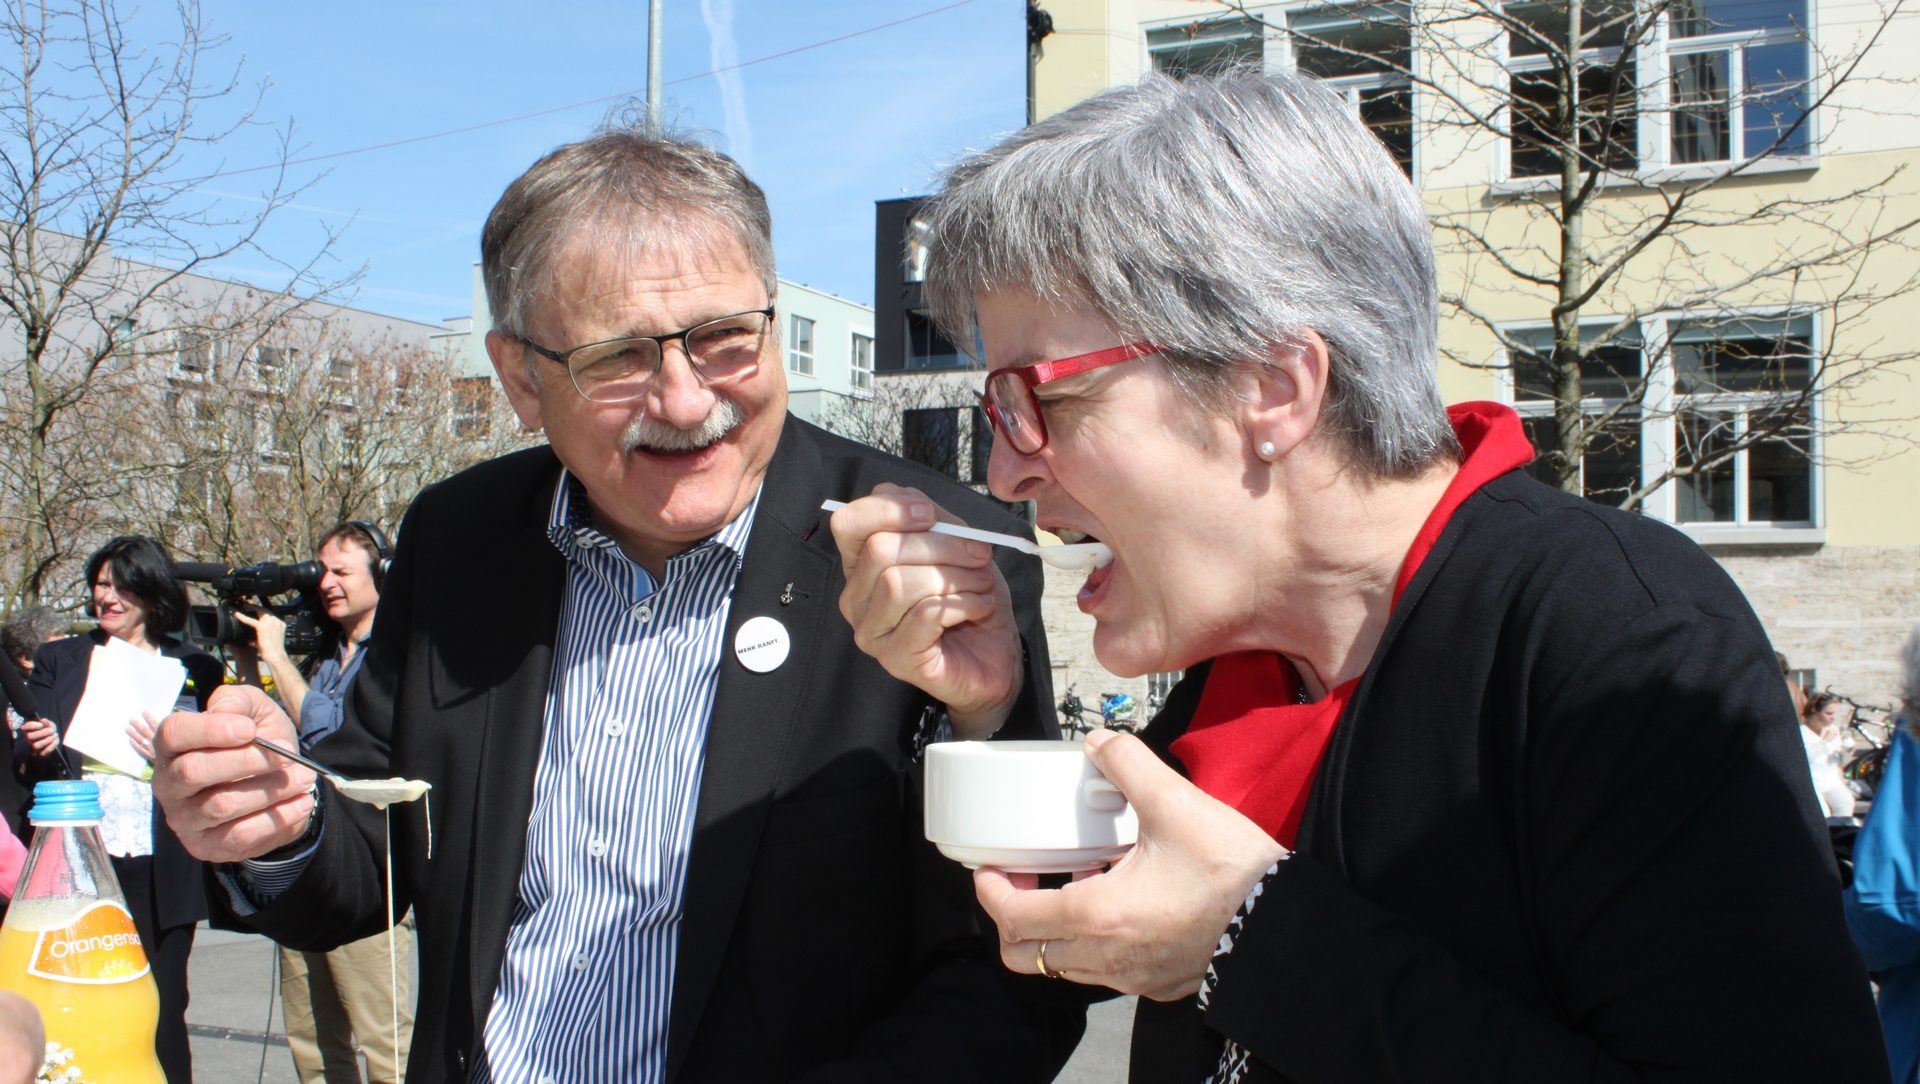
(382, 549)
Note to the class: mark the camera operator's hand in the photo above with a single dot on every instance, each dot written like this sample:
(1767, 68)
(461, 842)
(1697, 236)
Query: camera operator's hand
(226, 798)
(269, 634)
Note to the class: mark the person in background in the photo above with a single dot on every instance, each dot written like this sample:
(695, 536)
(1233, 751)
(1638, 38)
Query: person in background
(1795, 691)
(1883, 902)
(24, 631)
(676, 815)
(135, 597)
(1468, 778)
(1823, 734)
(361, 992)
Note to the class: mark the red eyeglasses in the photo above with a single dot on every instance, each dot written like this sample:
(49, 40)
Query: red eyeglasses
(1015, 412)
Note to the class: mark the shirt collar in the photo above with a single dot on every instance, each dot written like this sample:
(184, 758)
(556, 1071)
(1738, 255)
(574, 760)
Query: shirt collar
(571, 529)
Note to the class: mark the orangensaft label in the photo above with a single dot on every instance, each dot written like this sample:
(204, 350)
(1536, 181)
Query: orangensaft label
(99, 947)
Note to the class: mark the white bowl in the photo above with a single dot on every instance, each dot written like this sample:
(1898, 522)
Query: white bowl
(1024, 807)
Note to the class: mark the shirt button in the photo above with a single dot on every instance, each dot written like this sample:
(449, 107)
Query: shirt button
(616, 728)
(580, 962)
(597, 848)
(642, 612)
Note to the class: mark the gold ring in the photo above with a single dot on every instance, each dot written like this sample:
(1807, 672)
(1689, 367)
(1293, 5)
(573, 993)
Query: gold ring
(1040, 961)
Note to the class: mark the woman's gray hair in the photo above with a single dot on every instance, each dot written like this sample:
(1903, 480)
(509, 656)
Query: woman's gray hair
(27, 628)
(1218, 218)
(637, 188)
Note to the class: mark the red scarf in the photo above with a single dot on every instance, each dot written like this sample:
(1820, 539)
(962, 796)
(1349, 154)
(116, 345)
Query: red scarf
(1249, 744)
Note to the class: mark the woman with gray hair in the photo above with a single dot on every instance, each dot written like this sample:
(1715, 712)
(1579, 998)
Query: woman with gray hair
(1468, 778)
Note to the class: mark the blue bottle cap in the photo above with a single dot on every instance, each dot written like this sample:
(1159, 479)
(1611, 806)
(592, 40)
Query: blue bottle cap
(65, 800)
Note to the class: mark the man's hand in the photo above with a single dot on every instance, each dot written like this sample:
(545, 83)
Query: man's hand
(1150, 923)
(931, 608)
(269, 634)
(226, 798)
(42, 736)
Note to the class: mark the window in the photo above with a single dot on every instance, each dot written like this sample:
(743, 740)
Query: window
(1363, 51)
(913, 264)
(1610, 374)
(273, 361)
(473, 406)
(932, 437)
(1205, 47)
(1695, 82)
(1744, 421)
(1731, 413)
(928, 347)
(195, 354)
(800, 345)
(1740, 79)
(860, 362)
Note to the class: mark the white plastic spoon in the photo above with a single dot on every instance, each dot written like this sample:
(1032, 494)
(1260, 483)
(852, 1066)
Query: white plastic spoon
(378, 793)
(1079, 557)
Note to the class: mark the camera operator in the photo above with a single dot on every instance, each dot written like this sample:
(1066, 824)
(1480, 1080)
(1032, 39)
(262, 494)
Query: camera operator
(330, 999)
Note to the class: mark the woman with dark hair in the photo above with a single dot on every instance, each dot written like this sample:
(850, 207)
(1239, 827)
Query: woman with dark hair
(1824, 735)
(137, 599)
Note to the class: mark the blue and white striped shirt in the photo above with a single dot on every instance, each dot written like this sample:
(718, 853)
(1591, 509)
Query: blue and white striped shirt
(587, 980)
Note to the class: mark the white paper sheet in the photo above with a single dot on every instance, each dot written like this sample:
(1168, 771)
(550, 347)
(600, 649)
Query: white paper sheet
(122, 682)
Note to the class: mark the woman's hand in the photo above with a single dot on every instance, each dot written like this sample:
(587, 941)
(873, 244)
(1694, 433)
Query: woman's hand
(1149, 924)
(930, 608)
(269, 634)
(140, 734)
(42, 736)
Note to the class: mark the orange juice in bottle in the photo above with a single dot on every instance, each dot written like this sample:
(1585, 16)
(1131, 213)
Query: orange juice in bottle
(69, 946)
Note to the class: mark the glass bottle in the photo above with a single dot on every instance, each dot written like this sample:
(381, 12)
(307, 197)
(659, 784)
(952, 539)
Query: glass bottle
(69, 946)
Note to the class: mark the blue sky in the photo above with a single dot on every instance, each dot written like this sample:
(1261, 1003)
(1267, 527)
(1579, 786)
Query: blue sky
(826, 131)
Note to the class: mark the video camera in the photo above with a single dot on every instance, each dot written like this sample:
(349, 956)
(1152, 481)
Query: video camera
(210, 626)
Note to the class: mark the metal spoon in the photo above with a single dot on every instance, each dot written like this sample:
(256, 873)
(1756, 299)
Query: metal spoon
(1078, 557)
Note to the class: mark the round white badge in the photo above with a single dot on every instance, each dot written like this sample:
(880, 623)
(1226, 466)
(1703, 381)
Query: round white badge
(762, 644)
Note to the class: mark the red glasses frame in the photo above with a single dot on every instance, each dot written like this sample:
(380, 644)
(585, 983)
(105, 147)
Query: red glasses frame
(1020, 380)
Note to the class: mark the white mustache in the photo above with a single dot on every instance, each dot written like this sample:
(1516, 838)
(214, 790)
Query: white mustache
(654, 435)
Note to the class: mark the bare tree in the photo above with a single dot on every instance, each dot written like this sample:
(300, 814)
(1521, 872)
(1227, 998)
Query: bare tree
(1627, 198)
(930, 418)
(101, 243)
(294, 429)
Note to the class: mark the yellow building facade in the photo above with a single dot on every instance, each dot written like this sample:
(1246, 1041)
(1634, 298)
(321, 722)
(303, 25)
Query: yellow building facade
(1782, 136)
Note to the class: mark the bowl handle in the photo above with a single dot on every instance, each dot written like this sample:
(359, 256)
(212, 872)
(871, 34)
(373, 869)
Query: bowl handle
(1102, 796)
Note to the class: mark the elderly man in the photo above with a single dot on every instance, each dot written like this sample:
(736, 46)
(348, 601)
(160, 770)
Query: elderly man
(674, 822)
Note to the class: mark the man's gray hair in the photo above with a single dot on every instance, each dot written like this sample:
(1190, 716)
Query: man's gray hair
(1218, 218)
(637, 188)
(27, 628)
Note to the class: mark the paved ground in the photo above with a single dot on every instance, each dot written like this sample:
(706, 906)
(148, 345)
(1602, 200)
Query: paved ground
(234, 1019)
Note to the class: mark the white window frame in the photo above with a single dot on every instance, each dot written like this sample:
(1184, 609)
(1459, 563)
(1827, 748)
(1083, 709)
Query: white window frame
(1742, 404)
(1660, 410)
(186, 342)
(1277, 50)
(798, 360)
(1654, 104)
(860, 377)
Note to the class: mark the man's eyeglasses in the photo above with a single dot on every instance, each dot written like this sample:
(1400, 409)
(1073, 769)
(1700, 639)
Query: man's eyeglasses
(1015, 412)
(619, 370)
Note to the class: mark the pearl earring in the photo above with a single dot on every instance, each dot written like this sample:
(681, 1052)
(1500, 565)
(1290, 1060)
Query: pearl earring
(1267, 449)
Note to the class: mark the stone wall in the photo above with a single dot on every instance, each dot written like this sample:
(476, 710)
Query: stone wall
(1842, 612)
